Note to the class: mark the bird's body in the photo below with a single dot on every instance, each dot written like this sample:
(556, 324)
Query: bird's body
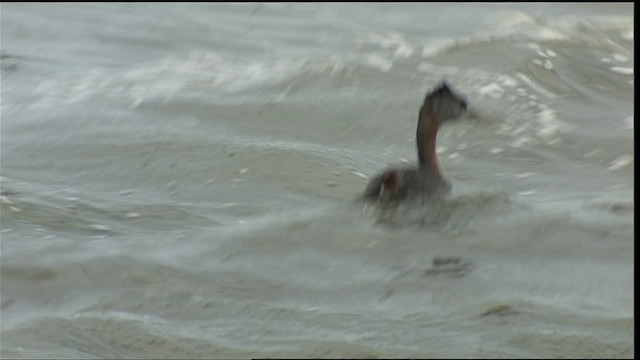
(426, 179)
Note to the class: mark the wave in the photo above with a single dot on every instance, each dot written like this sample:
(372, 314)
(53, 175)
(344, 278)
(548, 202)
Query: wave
(522, 28)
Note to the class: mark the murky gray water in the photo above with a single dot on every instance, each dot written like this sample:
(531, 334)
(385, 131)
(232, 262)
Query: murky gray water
(178, 181)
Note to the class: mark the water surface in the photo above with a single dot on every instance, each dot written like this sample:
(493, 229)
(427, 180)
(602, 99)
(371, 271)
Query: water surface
(178, 181)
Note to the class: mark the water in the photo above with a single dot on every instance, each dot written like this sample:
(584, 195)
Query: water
(179, 181)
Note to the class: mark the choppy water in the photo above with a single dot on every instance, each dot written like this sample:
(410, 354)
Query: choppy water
(178, 181)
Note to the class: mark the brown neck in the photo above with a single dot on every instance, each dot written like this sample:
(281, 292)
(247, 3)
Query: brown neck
(426, 137)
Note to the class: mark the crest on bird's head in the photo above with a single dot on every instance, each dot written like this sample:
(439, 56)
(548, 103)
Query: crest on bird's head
(446, 102)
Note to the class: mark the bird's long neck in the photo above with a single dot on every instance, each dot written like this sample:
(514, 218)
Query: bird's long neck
(426, 133)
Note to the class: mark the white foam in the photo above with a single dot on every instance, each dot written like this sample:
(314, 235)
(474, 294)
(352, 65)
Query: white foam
(629, 121)
(395, 41)
(360, 175)
(519, 24)
(99, 227)
(620, 162)
(548, 65)
(548, 122)
(520, 141)
(622, 70)
(378, 62)
(83, 89)
(426, 67)
(620, 57)
(535, 87)
(437, 46)
(404, 49)
(516, 24)
(176, 75)
(591, 153)
(494, 90)
(514, 20)
(508, 81)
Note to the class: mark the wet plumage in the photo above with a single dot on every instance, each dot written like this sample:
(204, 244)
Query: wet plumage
(426, 179)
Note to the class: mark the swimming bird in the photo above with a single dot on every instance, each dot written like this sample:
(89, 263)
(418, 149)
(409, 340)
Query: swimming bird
(394, 184)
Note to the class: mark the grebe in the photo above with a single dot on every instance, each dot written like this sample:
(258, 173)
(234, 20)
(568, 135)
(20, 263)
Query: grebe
(426, 181)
